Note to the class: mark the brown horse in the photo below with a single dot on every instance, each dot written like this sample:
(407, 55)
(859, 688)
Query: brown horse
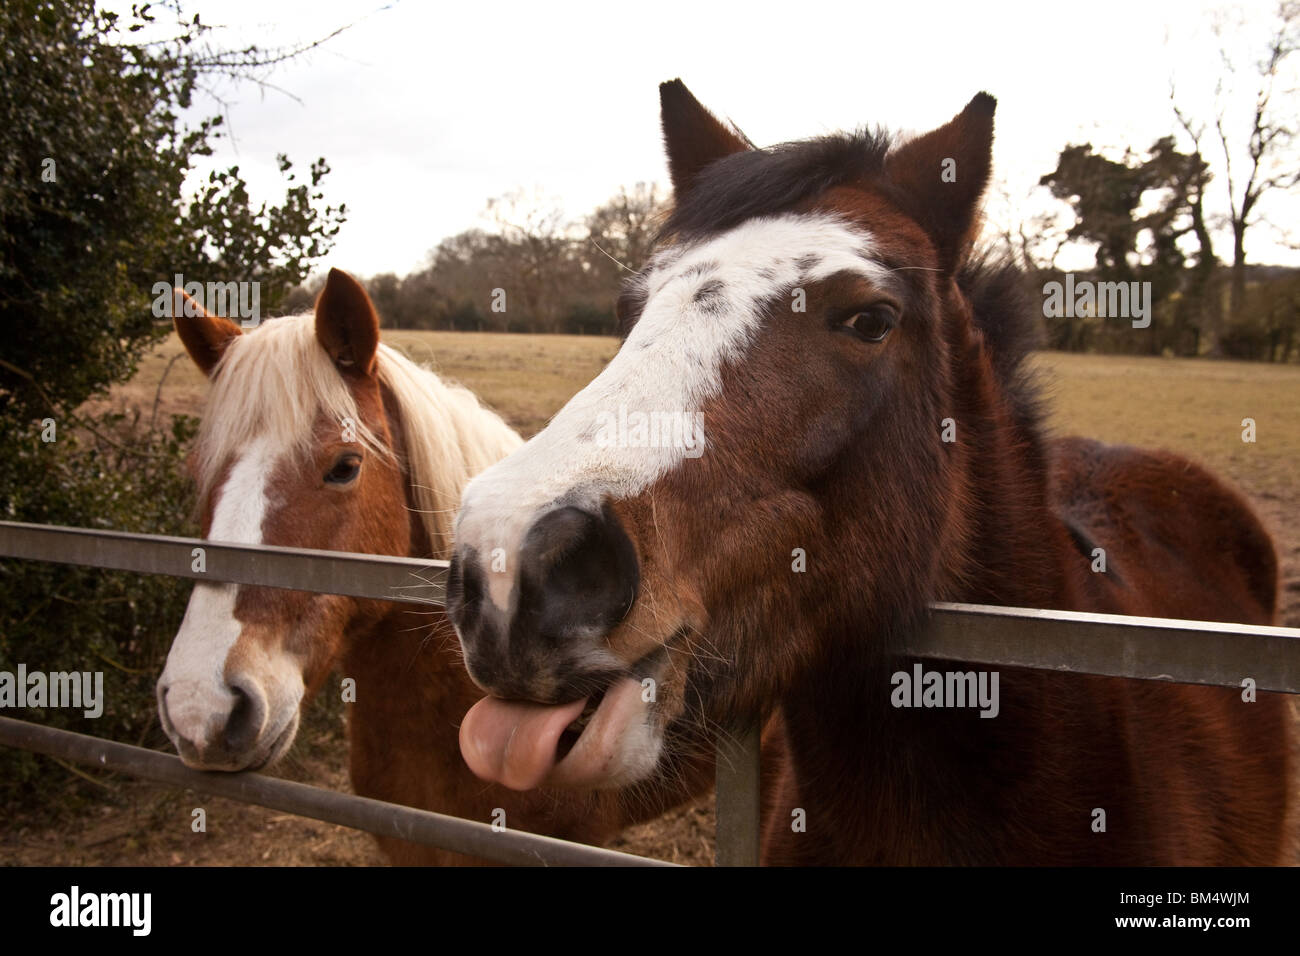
(317, 436)
(864, 439)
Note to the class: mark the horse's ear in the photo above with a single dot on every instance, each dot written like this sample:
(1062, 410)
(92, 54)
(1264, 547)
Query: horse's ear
(693, 137)
(941, 178)
(347, 324)
(204, 336)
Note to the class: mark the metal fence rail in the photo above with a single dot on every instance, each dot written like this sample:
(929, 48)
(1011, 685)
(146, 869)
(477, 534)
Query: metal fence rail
(1146, 648)
(1195, 652)
(410, 580)
(1115, 645)
(361, 813)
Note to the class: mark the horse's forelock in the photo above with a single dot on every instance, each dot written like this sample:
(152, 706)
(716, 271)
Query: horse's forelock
(272, 384)
(767, 182)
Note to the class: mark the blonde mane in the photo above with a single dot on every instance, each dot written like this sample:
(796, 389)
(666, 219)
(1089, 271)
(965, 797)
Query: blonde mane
(275, 381)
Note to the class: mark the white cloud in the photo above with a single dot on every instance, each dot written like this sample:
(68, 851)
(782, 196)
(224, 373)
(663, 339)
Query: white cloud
(425, 110)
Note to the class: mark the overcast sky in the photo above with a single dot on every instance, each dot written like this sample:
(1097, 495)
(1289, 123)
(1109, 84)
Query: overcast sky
(425, 110)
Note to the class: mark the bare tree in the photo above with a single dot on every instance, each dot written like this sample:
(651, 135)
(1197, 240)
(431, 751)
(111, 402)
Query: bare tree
(1203, 293)
(1033, 243)
(622, 231)
(1259, 155)
(533, 250)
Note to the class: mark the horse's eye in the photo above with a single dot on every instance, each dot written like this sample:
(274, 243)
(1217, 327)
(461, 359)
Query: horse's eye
(345, 470)
(871, 324)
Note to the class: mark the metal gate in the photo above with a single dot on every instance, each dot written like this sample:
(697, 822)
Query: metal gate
(1190, 652)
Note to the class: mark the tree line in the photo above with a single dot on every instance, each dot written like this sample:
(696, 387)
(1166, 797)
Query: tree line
(532, 269)
(1150, 216)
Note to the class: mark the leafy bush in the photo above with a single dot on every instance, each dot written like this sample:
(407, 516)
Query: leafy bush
(92, 216)
(56, 617)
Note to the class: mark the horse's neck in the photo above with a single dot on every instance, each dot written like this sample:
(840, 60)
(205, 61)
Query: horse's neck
(853, 770)
(411, 694)
(869, 771)
(1013, 540)
(411, 685)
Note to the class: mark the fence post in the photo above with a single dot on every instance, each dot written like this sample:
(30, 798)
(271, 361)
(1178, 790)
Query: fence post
(738, 792)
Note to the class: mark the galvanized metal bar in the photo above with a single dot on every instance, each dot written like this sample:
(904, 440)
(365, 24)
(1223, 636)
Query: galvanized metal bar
(737, 783)
(361, 813)
(1195, 652)
(409, 580)
(1116, 645)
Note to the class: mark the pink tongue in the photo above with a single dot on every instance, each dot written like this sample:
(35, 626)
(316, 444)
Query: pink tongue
(514, 742)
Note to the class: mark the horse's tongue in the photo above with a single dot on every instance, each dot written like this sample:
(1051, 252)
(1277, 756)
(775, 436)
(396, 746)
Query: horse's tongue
(514, 742)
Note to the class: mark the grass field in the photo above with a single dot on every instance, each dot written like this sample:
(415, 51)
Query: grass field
(1191, 406)
(525, 377)
(1188, 406)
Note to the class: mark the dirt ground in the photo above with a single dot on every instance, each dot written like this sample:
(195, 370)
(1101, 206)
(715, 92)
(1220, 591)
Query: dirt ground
(1188, 406)
(142, 824)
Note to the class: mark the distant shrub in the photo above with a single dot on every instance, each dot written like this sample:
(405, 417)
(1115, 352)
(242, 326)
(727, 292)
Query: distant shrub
(583, 318)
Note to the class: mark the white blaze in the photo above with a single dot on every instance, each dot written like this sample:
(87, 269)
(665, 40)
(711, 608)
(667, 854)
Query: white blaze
(194, 678)
(672, 362)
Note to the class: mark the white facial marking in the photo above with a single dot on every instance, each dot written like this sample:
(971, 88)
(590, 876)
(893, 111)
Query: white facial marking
(194, 676)
(671, 362)
(242, 504)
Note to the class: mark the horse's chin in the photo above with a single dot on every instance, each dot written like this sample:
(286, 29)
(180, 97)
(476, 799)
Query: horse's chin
(268, 750)
(619, 745)
(280, 745)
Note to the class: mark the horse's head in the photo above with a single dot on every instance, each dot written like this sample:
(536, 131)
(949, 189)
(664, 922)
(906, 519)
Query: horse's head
(295, 449)
(773, 418)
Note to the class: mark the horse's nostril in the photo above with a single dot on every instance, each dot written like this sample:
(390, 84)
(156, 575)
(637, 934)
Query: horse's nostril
(244, 722)
(471, 591)
(163, 716)
(464, 591)
(581, 570)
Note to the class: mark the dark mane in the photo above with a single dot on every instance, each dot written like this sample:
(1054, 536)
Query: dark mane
(863, 458)
(1005, 314)
(764, 182)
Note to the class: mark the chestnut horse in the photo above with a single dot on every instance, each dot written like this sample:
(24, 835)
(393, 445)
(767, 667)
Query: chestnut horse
(871, 442)
(317, 436)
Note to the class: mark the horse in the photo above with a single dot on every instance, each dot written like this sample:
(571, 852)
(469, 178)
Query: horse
(866, 438)
(316, 435)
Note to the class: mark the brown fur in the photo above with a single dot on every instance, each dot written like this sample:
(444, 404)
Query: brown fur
(412, 689)
(825, 443)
